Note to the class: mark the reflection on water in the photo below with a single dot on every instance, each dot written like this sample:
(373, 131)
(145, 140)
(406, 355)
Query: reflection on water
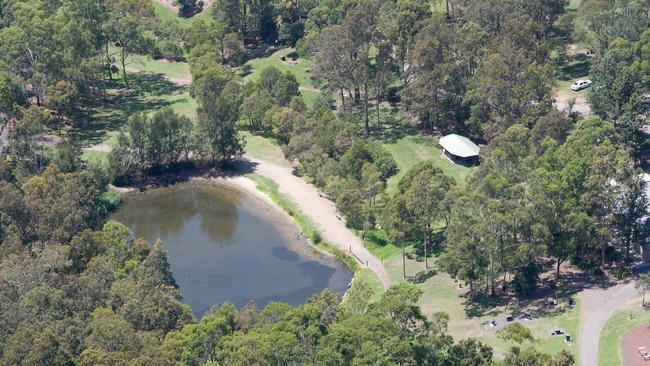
(225, 245)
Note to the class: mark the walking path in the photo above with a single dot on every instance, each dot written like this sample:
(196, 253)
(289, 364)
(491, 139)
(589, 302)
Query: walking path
(597, 306)
(322, 212)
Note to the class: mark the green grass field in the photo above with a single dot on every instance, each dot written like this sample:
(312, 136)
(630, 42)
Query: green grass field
(167, 14)
(175, 71)
(369, 277)
(154, 85)
(170, 69)
(442, 293)
(301, 71)
(616, 327)
(263, 148)
(148, 94)
(411, 150)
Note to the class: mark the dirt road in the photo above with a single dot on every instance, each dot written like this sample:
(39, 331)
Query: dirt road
(322, 212)
(597, 306)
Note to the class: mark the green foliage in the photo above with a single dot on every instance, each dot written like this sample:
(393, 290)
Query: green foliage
(281, 85)
(516, 333)
(492, 230)
(603, 26)
(187, 8)
(154, 143)
(526, 279)
(619, 82)
(12, 97)
(126, 27)
(382, 159)
(510, 87)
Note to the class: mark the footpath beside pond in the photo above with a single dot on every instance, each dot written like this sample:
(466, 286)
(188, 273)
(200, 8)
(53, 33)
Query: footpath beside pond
(322, 212)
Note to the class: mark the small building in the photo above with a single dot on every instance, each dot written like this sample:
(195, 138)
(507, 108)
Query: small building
(460, 149)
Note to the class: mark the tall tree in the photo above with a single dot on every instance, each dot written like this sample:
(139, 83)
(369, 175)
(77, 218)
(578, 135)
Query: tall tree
(219, 98)
(402, 22)
(437, 91)
(126, 28)
(509, 87)
(642, 284)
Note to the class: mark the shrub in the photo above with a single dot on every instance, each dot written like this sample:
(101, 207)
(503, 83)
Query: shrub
(383, 159)
(621, 271)
(525, 281)
(109, 200)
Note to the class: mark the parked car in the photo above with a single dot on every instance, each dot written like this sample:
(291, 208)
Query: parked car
(580, 84)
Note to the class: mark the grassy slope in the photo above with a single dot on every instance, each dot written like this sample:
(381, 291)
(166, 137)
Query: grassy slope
(300, 71)
(411, 150)
(146, 64)
(368, 276)
(616, 327)
(442, 293)
(167, 14)
(263, 148)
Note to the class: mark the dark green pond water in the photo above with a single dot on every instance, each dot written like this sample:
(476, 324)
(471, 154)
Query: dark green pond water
(225, 245)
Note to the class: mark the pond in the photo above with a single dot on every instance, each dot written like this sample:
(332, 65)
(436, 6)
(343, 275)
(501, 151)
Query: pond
(227, 245)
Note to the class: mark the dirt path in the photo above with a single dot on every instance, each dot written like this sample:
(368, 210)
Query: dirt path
(580, 105)
(105, 148)
(180, 81)
(597, 306)
(635, 338)
(322, 212)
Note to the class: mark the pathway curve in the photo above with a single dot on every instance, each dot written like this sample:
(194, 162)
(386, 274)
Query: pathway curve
(597, 305)
(322, 212)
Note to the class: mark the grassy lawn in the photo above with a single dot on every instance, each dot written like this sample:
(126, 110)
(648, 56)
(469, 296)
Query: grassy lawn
(146, 64)
(173, 70)
(148, 93)
(263, 148)
(411, 150)
(300, 70)
(167, 14)
(616, 327)
(369, 277)
(442, 293)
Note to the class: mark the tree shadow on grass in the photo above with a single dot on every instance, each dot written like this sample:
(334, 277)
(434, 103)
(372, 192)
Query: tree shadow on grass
(146, 95)
(570, 68)
(376, 239)
(480, 304)
(422, 276)
(393, 126)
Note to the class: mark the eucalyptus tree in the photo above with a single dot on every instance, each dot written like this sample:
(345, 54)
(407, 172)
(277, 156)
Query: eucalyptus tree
(219, 98)
(126, 27)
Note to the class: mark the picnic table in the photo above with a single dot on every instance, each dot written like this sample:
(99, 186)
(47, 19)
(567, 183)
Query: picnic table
(644, 353)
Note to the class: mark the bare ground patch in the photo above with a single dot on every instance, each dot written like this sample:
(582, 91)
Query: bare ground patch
(639, 336)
